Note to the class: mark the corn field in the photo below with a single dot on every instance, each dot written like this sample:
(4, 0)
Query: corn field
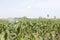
(30, 29)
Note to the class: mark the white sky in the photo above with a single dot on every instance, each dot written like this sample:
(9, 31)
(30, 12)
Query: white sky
(29, 8)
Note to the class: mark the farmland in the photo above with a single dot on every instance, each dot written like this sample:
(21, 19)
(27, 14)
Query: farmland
(30, 29)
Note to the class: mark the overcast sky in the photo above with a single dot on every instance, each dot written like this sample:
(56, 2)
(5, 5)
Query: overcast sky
(29, 8)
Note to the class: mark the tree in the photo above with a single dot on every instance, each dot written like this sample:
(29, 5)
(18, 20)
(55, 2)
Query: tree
(54, 17)
(47, 15)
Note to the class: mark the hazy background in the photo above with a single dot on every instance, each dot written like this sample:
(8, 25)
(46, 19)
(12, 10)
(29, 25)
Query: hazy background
(29, 8)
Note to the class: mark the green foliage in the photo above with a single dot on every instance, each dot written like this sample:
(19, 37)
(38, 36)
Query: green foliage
(30, 29)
